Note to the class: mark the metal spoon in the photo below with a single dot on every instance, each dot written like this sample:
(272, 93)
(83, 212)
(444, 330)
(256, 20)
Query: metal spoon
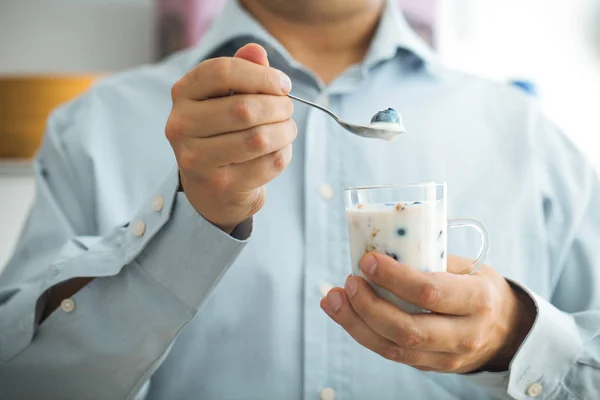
(359, 130)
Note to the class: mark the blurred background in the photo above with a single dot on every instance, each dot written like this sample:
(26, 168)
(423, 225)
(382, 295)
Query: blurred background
(52, 50)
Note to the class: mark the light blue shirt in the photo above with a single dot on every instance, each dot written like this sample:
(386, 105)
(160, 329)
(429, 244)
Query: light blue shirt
(181, 310)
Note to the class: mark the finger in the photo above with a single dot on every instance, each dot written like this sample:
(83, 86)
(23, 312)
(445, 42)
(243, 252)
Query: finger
(440, 292)
(336, 305)
(227, 114)
(260, 171)
(219, 77)
(244, 146)
(426, 332)
(254, 53)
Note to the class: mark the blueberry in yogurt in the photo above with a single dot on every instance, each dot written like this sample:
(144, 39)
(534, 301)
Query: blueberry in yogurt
(389, 119)
(390, 115)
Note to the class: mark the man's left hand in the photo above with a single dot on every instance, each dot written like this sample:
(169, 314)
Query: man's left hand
(477, 322)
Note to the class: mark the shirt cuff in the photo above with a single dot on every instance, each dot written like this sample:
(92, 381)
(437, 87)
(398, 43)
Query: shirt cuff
(544, 358)
(548, 353)
(175, 245)
(189, 255)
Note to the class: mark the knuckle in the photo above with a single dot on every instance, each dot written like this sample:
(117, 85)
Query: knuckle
(243, 111)
(451, 364)
(257, 140)
(470, 344)
(431, 294)
(177, 89)
(411, 338)
(188, 160)
(279, 160)
(176, 127)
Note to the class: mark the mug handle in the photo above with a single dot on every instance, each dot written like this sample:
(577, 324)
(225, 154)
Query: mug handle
(483, 234)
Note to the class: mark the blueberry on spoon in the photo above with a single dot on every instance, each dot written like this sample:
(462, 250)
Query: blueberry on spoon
(389, 119)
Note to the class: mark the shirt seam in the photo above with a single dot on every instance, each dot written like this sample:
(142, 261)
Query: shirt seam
(568, 391)
(187, 307)
(146, 375)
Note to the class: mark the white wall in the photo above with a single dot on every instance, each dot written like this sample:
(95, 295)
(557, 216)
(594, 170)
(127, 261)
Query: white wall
(549, 41)
(16, 196)
(63, 36)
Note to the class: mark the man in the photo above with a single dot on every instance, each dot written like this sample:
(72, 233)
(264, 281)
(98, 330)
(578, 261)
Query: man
(107, 296)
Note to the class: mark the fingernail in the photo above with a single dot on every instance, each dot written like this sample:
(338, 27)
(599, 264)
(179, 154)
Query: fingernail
(286, 83)
(334, 300)
(350, 287)
(368, 264)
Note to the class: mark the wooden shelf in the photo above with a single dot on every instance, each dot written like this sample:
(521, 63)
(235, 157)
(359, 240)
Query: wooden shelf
(26, 102)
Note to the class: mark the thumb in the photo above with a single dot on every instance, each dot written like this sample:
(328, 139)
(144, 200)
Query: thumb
(254, 53)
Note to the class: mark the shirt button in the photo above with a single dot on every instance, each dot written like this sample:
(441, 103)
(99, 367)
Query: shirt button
(534, 390)
(158, 203)
(325, 288)
(327, 394)
(67, 305)
(139, 228)
(326, 191)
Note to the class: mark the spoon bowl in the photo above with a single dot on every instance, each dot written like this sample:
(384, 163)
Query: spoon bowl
(358, 130)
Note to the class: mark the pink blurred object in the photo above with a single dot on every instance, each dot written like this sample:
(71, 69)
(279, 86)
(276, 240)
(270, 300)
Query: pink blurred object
(183, 22)
(423, 11)
(422, 16)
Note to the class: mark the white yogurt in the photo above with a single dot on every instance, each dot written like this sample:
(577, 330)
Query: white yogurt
(413, 233)
(388, 126)
(393, 129)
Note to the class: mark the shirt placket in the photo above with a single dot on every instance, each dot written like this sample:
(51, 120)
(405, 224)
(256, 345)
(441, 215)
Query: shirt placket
(325, 349)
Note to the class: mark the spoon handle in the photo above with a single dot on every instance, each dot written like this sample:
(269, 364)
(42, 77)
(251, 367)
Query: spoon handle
(314, 105)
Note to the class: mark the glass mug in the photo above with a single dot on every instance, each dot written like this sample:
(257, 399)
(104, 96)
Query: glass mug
(408, 223)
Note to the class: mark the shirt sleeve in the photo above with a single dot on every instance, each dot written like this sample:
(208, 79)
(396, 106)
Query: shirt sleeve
(560, 357)
(151, 277)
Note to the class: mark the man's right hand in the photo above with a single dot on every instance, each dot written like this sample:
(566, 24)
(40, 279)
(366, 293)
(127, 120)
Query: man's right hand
(229, 146)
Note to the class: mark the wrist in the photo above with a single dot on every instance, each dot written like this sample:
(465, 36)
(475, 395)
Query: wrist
(524, 317)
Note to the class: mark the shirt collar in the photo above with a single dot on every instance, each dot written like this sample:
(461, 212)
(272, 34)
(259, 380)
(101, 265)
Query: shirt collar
(234, 22)
(394, 34)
